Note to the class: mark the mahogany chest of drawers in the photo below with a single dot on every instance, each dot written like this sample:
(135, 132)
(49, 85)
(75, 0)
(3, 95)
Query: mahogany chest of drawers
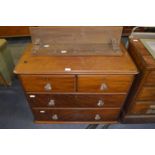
(140, 106)
(76, 89)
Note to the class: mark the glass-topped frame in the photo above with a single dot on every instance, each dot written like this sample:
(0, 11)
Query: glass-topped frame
(76, 40)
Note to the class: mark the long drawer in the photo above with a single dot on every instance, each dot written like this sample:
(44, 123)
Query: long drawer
(48, 83)
(76, 114)
(75, 100)
(147, 93)
(144, 108)
(104, 83)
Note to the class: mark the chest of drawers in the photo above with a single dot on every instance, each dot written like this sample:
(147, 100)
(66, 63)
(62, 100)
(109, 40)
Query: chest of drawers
(85, 94)
(76, 89)
(140, 105)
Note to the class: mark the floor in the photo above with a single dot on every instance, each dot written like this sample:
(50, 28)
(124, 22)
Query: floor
(15, 112)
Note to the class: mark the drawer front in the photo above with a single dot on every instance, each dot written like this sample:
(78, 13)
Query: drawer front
(94, 100)
(104, 83)
(76, 115)
(150, 79)
(144, 108)
(76, 101)
(147, 93)
(51, 100)
(48, 83)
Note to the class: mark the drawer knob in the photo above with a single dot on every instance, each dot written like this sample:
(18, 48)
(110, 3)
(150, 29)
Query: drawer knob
(100, 103)
(48, 87)
(55, 117)
(42, 111)
(103, 87)
(51, 103)
(97, 117)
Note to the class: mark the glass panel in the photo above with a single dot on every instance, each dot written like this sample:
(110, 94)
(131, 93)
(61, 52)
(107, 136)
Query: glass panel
(70, 40)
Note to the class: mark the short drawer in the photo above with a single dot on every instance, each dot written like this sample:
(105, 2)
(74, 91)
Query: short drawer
(104, 83)
(147, 93)
(48, 83)
(76, 115)
(150, 79)
(144, 108)
(76, 100)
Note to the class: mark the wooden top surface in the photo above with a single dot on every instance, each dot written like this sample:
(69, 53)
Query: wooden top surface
(147, 60)
(30, 64)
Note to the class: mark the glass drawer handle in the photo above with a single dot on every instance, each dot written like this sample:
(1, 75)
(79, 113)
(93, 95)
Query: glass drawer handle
(97, 117)
(51, 103)
(103, 86)
(48, 87)
(55, 117)
(100, 103)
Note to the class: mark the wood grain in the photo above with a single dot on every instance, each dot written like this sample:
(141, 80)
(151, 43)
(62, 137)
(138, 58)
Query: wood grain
(136, 119)
(30, 64)
(142, 94)
(36, 83)
(145, 57)
(142, 107)
(147, 93)
(75, 100)
(115, 83)
(76, 91)
(150, 81)
(76, 114)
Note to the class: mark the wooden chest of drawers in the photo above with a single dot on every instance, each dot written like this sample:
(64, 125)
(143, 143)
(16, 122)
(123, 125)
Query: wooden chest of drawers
(140, 105)
(77, 87)
(93, 91)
